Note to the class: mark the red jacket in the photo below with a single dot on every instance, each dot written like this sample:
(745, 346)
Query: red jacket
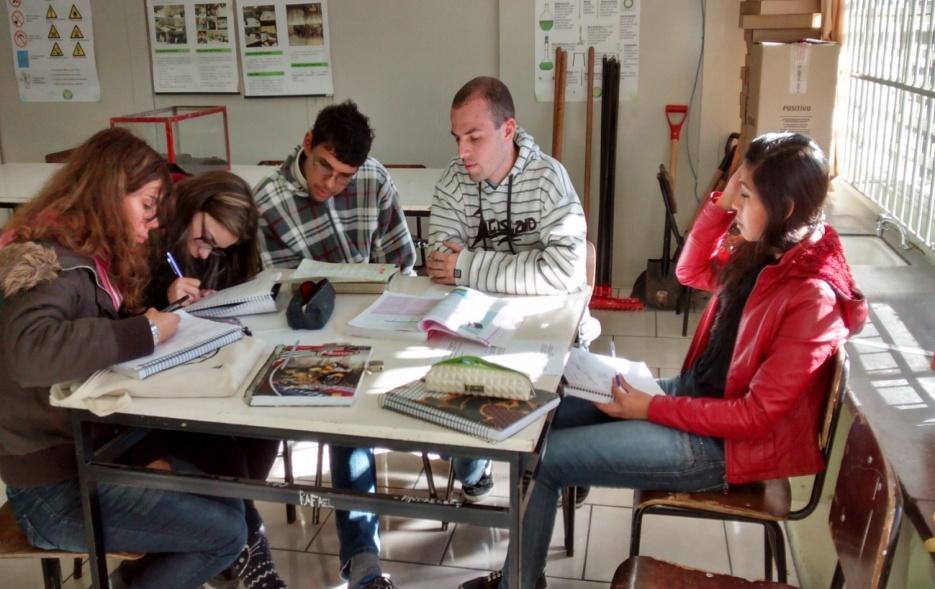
(799, 312)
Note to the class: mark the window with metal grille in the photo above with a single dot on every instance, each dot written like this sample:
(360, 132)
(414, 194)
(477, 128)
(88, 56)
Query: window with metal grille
(887, 140)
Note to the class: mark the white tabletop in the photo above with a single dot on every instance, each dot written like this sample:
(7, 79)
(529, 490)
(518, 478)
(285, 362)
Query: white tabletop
(21, 182)
(539, 347)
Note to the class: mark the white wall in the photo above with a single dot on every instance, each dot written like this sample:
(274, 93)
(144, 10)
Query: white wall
(402, 61)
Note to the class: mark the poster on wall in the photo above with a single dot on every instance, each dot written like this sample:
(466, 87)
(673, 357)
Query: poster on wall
(53, 50)
(612, 27)
(285, 47)
(191, 46)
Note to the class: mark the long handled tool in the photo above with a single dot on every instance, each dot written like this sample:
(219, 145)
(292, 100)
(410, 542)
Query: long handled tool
(558, 103)
(675, 115)
(587, 135)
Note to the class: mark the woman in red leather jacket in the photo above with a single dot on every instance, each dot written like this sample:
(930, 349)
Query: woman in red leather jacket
(747, 402)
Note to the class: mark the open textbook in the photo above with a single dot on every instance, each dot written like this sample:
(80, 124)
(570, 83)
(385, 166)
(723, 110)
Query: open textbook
(248, 298)
(463, 312)
(589, 375)
(347, 278)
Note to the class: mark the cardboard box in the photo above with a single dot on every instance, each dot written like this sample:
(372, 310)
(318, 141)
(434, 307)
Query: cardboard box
(781, 21)
(792, 88)
(780, 6)
(780, 35)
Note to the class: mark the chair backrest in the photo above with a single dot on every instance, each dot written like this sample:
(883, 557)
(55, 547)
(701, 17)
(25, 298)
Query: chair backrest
(590, 262)
(827, 427)
(412, 166)
(865, 512)
(58, 157)
(270, 162)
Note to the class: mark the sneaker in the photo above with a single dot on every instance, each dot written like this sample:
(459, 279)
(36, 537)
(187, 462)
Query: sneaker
(479, 490)
(492, 581)
(378, 583)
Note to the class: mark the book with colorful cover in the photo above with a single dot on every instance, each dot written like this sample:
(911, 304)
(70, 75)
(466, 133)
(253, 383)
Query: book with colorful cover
(488, 418)
(328, 374)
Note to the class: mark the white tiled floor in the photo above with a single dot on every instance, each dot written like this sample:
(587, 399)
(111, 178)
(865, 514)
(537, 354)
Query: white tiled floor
(419, 555)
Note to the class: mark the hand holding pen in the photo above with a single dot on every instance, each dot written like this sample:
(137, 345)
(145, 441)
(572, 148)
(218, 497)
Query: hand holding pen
(628, 402)
(183, 290)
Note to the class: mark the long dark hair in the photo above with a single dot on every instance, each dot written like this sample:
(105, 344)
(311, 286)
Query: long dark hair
(790, 173)
(229, 200)
(82, 206)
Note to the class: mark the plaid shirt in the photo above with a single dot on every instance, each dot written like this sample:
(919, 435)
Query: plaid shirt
(362, 223)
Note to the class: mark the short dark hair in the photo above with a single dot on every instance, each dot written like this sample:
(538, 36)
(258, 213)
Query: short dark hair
(345, 130)
(498, 97)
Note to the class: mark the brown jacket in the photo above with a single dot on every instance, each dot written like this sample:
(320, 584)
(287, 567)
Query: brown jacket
(56, 324)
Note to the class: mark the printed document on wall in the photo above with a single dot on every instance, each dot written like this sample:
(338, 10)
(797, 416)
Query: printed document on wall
(285, 47)
(53, 50)
(612, 27)
(191, 45)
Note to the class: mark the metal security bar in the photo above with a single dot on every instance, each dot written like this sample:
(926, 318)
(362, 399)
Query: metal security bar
(887, 143)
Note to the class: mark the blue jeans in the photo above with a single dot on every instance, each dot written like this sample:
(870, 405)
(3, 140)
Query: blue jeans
(469, 470)
(358, 531)
(586, 447)
(188, 538)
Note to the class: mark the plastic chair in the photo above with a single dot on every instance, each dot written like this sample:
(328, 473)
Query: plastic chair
(865, 514)
(766, 503)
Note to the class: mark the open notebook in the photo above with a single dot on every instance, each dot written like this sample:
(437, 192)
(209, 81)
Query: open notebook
(194, 338)
(249, 298)
(589, 375)
(485, 417)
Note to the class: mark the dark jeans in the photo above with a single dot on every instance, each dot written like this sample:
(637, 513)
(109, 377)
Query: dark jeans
(188, 538)
(586, 447)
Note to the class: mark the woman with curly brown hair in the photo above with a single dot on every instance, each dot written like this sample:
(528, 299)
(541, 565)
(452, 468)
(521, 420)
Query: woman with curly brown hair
(72, 274)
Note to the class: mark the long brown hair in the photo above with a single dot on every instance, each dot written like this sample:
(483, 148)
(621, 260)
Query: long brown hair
(790, 173)
(229, 200)
(82, 206)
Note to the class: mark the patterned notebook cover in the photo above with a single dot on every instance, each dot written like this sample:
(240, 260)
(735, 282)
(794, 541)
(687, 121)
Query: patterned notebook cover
(328, 374)
(485, 417)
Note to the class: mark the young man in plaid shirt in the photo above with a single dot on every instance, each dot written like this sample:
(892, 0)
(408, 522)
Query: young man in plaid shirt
(331, 202)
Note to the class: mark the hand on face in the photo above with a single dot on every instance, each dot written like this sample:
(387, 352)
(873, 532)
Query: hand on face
(440, 265)
(731, 192)
(628, 403)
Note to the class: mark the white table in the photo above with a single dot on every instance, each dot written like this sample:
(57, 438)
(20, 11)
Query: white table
(21, 182)
(540, 342)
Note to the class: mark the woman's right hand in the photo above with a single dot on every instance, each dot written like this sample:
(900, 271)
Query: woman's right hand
(167, 323)
(182, 287)
(731, 192)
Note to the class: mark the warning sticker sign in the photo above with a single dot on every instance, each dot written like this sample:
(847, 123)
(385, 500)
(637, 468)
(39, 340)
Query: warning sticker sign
(56, 51)
(50, 13)
(78, 52)
(73, 14)
(76, 33)
(53, 33)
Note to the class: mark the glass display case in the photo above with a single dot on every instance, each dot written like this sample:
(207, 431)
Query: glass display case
(194, 138)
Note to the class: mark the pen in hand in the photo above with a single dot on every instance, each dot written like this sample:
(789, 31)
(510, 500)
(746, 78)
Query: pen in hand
(175, 305)
(175, 267)
(613, 354)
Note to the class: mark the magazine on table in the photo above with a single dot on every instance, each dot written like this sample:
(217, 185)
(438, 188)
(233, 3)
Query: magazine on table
(463, 312)
(589, 375)
(298, 375)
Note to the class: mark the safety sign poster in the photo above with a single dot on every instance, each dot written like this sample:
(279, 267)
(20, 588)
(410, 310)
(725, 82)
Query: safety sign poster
(192, 46)
(53, 50)
(612, 27)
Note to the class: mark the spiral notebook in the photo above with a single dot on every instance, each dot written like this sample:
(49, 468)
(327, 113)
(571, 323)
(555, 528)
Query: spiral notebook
(488, 418)
(589, 375)
(194, 338)
(248, 298)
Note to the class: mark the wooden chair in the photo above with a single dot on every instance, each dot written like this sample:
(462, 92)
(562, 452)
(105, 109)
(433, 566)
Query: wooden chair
(58, 157)
(13, 544)
(766, 503)
(864, 518)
